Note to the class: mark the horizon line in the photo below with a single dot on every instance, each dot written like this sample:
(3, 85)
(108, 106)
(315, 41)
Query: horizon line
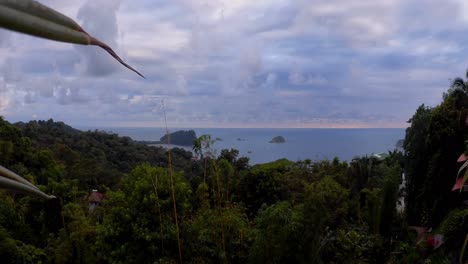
(241, 127)
(307, 125)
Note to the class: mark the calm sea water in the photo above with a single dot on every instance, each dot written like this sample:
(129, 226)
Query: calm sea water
(314, 144)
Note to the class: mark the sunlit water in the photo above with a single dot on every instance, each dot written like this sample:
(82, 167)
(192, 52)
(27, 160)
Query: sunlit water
(315, 144)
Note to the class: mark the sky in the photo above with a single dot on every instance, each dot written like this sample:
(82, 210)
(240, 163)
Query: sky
(239, 63)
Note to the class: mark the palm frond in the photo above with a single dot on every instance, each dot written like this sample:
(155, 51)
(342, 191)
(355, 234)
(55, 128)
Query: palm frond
(458, 83)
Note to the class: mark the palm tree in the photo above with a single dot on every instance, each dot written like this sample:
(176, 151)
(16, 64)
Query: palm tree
(459, 83)
(360, 171)
(459, 90)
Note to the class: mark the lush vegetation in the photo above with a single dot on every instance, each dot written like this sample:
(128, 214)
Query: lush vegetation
(227, 210)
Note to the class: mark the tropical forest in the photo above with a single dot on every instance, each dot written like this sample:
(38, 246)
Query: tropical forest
(72, 195)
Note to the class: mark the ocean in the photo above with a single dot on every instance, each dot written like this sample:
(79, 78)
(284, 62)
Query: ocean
(303, 143)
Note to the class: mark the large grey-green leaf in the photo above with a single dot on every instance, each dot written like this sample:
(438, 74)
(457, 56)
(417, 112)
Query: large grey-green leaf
(15, 186)
(25, 23)
(13, 182)
(39, 10)
(462, 167)
(33, 18)
(13, 176)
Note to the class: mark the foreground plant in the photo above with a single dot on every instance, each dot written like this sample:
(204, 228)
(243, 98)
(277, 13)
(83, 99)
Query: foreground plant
(13, 182)
(33, 18)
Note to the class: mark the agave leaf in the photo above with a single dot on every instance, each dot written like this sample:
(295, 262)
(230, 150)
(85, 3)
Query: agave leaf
(39, 10)
(462, 167)
(31, 17)
(465, 178)
(25, 23)
(13, 182)
(15, 186)
(94, 41)
(13, 176)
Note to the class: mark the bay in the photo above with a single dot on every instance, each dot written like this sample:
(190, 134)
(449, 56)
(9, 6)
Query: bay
(303, 143)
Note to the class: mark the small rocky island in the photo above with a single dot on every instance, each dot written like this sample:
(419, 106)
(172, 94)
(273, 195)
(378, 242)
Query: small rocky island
(278, 139)
(181, 138)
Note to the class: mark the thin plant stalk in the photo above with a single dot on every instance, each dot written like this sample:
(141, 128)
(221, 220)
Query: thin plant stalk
(172, 182)
(462, 253)
(220, 209)
(155, 186)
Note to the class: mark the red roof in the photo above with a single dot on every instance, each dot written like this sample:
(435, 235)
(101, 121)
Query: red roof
(95, 197)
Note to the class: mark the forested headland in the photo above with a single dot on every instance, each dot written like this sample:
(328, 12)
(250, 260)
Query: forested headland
(228, 211)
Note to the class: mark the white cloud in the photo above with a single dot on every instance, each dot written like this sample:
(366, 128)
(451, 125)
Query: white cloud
(99, 18)
(5, 98)
(4, 38)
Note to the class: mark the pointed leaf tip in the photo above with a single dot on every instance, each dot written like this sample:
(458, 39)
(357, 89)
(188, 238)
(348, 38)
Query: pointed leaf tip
(96, 42)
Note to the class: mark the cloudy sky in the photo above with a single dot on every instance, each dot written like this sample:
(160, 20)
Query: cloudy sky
(239, 63)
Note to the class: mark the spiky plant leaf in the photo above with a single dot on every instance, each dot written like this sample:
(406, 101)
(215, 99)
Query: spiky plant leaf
(13, 182)
(15, 177)
(462, 167)
(33, 18)
(39, 10)
(15, 186)
(465, 178)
